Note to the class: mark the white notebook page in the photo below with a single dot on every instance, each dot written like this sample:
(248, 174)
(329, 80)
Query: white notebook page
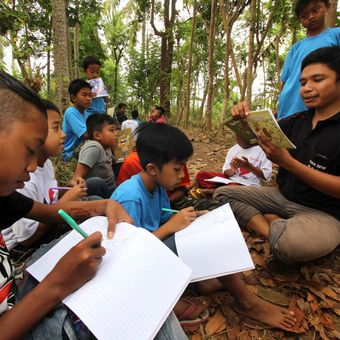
(136, 286)
(213, 245)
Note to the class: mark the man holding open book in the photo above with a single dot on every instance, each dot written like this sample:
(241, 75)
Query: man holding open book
(301, 217)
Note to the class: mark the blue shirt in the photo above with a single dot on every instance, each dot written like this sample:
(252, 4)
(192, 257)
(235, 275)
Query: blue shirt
(144, 207)
(290, 101)
(98, 105)
(74, 127)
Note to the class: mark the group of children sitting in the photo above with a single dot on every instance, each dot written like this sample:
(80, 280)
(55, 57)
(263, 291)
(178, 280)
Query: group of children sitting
(300, 216)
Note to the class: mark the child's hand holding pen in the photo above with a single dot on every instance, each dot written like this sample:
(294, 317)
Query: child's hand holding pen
(184, 217)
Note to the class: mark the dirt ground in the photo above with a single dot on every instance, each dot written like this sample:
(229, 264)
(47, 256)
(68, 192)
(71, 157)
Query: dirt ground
(312, 290)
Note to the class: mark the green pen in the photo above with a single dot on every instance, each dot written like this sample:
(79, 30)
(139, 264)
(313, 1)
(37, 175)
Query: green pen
(170, 210)
(72, 223)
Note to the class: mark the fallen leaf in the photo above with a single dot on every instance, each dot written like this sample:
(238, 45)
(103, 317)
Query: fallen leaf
(216, 324)
(266, 282)
(272, 296)
(336, 311)
(331, 293)
(258, 259)
(299, 315)
(315, 291)
(291, 275)
(327, 321)
(196, 337)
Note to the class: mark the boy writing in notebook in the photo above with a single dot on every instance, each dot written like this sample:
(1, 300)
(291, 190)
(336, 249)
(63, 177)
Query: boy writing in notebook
(163, 150)
(42, 188)
(23, 130)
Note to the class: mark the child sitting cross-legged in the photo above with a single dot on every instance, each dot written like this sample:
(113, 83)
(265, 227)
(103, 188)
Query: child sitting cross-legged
(96, 157)
(163, 150)
(245, 164)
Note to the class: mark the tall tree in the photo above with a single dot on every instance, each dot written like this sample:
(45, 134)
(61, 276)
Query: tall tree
(191, 43)
(211, 43)
(60, 51)
(167, 45)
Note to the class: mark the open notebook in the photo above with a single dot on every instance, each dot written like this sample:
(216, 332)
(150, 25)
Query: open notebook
(213, 245)
(136, 286)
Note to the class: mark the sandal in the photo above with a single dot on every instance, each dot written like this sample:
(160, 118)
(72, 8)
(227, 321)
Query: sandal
(196, 313)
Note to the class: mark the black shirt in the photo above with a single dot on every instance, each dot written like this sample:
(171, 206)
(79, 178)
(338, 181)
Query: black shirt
(318, 148)
(13, 208)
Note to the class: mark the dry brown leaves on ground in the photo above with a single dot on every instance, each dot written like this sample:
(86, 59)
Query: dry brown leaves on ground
(311, 291)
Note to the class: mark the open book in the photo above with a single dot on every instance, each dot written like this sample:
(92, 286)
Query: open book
(213, 245)
(98, 88)
(262, 121)
(136, 286)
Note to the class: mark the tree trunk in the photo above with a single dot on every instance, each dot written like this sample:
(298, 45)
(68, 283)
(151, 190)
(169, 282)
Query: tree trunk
(76, 51)
(211, 44)
(187, 95)
(60, 50)
(332, 13)
(251, 48)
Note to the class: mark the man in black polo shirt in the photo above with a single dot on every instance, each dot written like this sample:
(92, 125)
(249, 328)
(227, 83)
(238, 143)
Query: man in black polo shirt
(301, 217)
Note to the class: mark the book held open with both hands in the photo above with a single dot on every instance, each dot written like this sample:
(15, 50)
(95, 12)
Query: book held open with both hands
(140, 280)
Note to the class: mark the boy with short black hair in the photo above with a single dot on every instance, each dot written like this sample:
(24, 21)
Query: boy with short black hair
(120, 114)
(92, 66)
(163, 150)
(96, 157)
(42, 188)
(74, 123)
(304, 209)
(312, 16)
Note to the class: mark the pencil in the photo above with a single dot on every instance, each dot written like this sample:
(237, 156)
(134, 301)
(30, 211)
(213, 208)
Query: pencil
(72, 223)
(170, 210)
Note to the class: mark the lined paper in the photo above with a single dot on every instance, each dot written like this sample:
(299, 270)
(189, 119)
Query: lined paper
(213, 245)
(136, 286)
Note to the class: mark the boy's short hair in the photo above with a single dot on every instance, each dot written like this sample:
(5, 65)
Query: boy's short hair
(161, 143)
(15, 97)
(160, 109)
(90, 60)
(134, 114)
(50, 106)
(120, 105)
(329, 56)
(96, 122)
(301, 4)
(76, 85)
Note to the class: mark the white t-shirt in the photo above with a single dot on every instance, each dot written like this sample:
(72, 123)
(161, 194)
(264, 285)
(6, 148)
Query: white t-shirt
(256, 157)
(37, 188)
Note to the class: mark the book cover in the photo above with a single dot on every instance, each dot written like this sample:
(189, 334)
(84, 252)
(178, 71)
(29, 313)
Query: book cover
(98, 88)
(241, 128)
(125, 144)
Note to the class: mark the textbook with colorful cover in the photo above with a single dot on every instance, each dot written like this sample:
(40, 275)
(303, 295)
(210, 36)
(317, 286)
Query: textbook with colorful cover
(262, 121)
(213, 245)
(137, 284)
(125, 144)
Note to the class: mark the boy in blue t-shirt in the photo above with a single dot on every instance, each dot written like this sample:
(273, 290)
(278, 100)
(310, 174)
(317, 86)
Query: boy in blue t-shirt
(312, 16)
(74, 123)
(163, 150)
(91, 66)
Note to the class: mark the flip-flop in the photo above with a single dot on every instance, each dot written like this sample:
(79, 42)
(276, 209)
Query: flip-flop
(192, 325)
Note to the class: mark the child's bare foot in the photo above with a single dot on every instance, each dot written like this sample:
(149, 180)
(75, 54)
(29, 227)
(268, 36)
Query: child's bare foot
(267, 313)
(208, 287)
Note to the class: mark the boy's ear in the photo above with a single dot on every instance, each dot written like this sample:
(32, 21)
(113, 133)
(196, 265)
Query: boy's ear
(97, 135)
(72, 97)
(152, 169)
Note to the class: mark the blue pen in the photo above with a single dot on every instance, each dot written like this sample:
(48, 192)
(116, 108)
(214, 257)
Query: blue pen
(170, 210)
(72, 223)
